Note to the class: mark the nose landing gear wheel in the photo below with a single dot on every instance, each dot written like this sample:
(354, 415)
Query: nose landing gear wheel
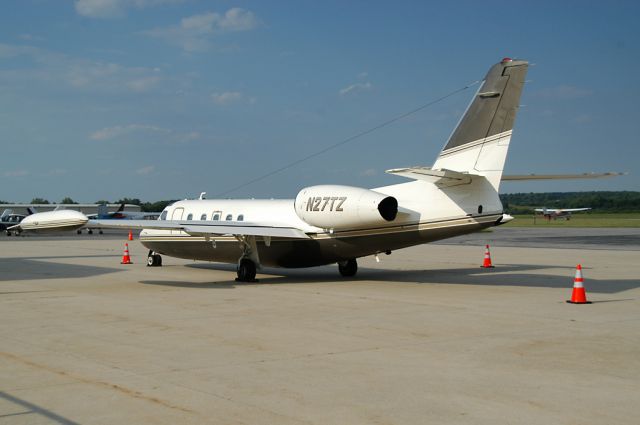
(246, 271)
(154, 260)
(348, 268)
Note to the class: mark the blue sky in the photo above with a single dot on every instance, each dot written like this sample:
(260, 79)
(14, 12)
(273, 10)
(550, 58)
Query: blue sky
(164, 99)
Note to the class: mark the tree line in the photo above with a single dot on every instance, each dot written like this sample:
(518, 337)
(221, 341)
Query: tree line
(514, 203)
(611, 202)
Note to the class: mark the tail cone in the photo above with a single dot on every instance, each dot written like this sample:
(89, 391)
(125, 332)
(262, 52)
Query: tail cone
(486, 264)
(579, 295)
(126, 258)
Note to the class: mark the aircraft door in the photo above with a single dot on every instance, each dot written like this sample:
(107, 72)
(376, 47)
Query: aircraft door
(177, 215)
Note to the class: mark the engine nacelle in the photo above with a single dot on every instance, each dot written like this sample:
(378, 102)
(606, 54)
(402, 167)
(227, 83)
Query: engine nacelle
(344, 207)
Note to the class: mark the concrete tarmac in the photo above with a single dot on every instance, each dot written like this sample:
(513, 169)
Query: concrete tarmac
(424, 336)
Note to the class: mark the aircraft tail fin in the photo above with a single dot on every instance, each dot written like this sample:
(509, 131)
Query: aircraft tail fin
(480, 142)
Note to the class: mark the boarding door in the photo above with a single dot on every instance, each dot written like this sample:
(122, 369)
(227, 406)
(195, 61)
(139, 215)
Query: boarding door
(177, 215)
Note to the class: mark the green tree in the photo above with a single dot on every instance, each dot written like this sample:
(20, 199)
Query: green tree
(68, 200)
(101, 202)
(134, 201)
(39, 201)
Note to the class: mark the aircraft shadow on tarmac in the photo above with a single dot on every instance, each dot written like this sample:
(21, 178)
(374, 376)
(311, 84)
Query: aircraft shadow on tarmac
(28, 411)
(32, 269)
(513, 275)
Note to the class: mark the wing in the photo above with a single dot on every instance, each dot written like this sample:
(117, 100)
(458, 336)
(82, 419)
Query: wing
(522, 177)
(204, 228)
(573, 209)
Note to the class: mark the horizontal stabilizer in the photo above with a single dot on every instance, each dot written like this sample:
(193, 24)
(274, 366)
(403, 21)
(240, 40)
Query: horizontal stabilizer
(203, 228)
(441, 178)
(522, 177)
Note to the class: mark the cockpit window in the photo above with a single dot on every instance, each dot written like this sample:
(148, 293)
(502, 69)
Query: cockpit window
(203, 217)
(163, 216)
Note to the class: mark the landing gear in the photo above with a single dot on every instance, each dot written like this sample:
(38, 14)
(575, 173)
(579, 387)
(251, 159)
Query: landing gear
(79, 231)
(154, 260)
(348, 268)
(246, 271)
(90, 231)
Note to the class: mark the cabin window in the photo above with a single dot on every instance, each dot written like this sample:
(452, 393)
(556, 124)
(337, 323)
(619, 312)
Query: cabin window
(240, 217)
(229, 217)
(203, 217)
(216, 215)
(190, 217)
(479, 209)
(163, 216)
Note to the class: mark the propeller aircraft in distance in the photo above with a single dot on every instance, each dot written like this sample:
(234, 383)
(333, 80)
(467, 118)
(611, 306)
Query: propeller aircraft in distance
(559, 213)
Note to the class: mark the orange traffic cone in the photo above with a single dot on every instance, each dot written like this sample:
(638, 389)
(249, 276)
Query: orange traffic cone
(486, 264)
(579, 295)
(130, 235)
(126, 258)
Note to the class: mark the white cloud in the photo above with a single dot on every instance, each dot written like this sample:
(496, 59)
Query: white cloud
(59, 70)
(16, 173)
(369, 172)
(146, 132)
(57, 172)
(114, 8)
(195, 33)
(355, 88)
(109, 133)
(563, 92)
(231, 97)
(144, 84)
(146, 170)
(31, 37)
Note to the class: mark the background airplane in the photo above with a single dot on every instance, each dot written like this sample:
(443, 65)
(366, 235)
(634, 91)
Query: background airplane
(9, 219)
(120, 214)
(558, 213)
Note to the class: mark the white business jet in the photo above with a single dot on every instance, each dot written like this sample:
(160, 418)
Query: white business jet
(338, 224)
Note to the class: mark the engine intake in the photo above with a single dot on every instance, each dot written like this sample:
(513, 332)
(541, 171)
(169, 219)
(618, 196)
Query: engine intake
(344, 207)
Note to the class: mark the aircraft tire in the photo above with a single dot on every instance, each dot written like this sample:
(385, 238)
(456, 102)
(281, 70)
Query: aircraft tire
(348, 268)
(154, 260)
(246, 271)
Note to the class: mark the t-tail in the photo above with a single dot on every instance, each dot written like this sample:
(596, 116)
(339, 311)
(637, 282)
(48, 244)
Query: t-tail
(480, 142)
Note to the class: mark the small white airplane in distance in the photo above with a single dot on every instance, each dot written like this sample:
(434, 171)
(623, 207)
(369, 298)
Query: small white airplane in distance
(559, 213)
(337, 224)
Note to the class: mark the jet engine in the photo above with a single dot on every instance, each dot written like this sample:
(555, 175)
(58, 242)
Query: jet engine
(344, 207)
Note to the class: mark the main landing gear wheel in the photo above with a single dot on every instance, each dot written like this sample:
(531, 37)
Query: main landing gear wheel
(348, 268)
(246, 271)
(154, 260)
